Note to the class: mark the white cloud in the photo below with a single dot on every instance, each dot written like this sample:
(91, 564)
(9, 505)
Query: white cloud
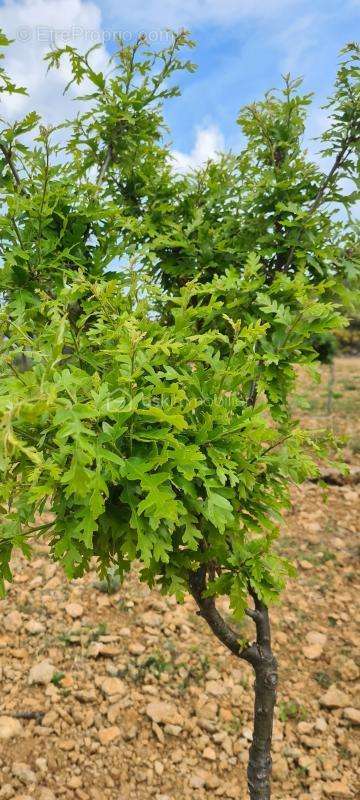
(34, 25)
(297, 40)
(156, 14)
(209, 142)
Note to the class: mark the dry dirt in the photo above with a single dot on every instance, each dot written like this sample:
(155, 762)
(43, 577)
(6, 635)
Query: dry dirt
(140, 702)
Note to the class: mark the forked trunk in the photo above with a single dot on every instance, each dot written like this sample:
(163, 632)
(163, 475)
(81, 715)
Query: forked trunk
(261, 658)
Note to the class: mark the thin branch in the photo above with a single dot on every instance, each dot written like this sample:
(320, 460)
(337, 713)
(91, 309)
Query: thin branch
(8, 158)
(38, 715)
(220, 628)
(320, 193)
(105, 165)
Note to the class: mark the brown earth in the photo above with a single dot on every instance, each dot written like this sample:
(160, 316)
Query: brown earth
(140, 702)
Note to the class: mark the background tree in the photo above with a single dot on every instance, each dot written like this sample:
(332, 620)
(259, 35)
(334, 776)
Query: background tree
(152, 326)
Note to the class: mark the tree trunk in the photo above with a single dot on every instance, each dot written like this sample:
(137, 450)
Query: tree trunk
(259, 767)
(261, 658)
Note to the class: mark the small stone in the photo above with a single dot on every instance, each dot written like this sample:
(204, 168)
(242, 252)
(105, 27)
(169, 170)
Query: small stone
(320, 724)
(313, 651)
(337, 789)
(159, 768)
(352, 714)
(315, 637)
(173, 730)
(67, 745)
(197, 781)
(41, 764)
(13, 622)
(7, 791)
(136, 648)
(23, 772)
(34, 627)
(349, 670)
(108, 735)
(215, 688)
(151, 619)
(280, 770)
(305, 727)
(113, 687)
(42, 673)
(209, 753)
(75, 782)
(334, 698)
(9, 728)
(46, 794)
(74, 610)
(165, 713)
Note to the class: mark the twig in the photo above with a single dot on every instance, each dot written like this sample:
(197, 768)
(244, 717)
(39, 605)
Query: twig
(7, 155)
(24, 714)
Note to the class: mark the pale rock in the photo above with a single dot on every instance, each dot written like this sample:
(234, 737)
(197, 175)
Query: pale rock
(215, 688)
(349, 670)
(7, 791)
(315, 637)
(280, 769)
(173, 730)
(113, 687)
(42, 673)
(313, 651)
(320, 725)
(108, 735)
(75, 782)
(136, 648)
(209, 753)
(352, 714)
(13, 622)
(237, 695)
(207, 708)
(304, 727)
(197, 781)
(337, 789)
(125, 631)
(23, 772)
(41, 764)
(34, 627)
(129, 733)
(74, 610)
(151, 619)
(10, 728)
(278, 731)
(159, 768)
(334, 698)
(46, 794)
(113, 712)
(67, 745)
(162, 712)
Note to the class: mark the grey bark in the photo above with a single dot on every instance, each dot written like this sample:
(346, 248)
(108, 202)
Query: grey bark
(260, 656)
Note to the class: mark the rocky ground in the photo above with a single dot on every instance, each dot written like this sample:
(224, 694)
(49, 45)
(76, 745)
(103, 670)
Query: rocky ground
(135, 698)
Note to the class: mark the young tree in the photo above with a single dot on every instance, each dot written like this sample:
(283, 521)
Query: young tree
(152, 325)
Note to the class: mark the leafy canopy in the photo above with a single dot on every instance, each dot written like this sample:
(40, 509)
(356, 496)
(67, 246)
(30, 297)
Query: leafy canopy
(152, 325)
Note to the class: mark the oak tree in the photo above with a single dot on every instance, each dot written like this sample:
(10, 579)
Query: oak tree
(152, 326)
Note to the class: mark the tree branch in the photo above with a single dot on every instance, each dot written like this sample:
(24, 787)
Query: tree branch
(321, 191)
(105, 165)
(208, 611)
(9, 160)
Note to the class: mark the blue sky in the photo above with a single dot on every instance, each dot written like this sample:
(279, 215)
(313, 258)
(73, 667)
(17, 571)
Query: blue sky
(243, 47)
